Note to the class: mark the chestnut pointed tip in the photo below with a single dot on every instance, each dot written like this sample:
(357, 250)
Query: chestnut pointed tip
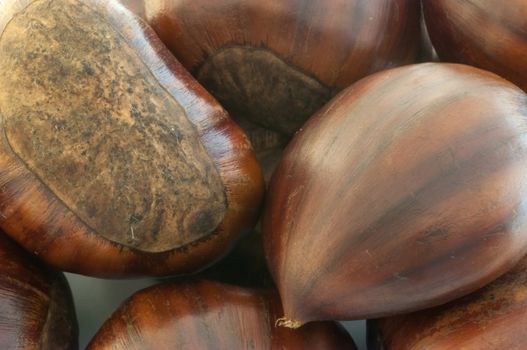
(298, 308)
(288, 323)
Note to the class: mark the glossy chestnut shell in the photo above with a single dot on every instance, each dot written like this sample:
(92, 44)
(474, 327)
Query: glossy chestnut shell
(276, 62)
(490, 34)
(36, 307)
(494, 317)
(406, 191)
(209, 315)
(114, 161)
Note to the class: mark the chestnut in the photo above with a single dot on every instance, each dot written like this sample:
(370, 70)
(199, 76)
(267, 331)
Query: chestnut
(491, 318)
(36, 306)
(490, 34)
(114, 161)
(276, 62)
(406, 191)
(209, 315)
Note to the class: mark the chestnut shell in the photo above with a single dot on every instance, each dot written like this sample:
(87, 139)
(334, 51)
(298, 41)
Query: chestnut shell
(209, 315)
(276, 62)
(406, 191)
(494, 317)
(36, 306)
(490, 34)
(88, 210)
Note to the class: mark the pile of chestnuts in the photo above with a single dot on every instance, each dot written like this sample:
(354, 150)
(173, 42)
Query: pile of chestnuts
(288, 163)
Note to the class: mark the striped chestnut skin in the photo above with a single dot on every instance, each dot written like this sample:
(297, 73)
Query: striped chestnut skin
(114, 161)
(36, 306)
(277, 62)
(427, 53)
(406, 191)
(494, 317)
(209, 315)
(490, 34)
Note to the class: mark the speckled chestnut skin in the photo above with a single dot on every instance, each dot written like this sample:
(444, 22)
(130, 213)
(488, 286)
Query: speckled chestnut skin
(114, 161)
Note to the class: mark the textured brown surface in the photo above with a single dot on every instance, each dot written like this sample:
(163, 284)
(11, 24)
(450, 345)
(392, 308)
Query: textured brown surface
(100, 131)
(304, 50)
(36, 307)
(245, 265)
(493, 318)
(490, 34)
(209, 315)
(261, 86)
(36, 214)
(406, 191)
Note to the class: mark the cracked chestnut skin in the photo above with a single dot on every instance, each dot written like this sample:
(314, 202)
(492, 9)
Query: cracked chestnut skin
(114, 161)
(494, 317)
(210, 315)
(275, 63)
(36, 306)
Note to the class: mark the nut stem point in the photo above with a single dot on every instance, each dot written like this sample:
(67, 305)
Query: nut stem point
(287, 323)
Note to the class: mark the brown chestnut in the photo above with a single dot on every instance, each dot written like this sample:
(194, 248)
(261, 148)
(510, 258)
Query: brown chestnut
(36, 307)
(406, 191)
(276, 62)
(494, 317)
(268, 146)
(209, 315)
(114, 161)
(490, 34)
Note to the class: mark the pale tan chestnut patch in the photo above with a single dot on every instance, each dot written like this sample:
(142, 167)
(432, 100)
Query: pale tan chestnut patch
(89, 119)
